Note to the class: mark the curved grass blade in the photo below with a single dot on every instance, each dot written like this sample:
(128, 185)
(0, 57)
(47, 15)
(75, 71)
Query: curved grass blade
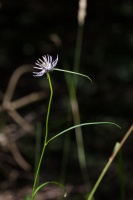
(71, 72)
(51, 182)
(84, 124)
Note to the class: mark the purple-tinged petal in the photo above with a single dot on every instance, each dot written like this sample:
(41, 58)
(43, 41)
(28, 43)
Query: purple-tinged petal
(50, 59)
(39, 73)
(38, 67)
(54, 63)
(45, 59)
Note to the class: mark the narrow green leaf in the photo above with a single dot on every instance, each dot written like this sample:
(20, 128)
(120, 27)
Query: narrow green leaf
(76, 126)
(71, 72)
(51, 182)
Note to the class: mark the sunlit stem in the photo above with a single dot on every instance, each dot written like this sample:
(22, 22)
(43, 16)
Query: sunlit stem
(116, 150)
(45, 139)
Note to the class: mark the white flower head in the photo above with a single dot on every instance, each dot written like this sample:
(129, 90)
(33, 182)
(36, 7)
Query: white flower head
(45, 65)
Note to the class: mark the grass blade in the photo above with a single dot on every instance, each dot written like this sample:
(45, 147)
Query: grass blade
(71, 72)
(51, 182)
(76, 126)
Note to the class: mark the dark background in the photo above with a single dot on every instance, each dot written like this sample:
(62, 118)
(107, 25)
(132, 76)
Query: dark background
(26, 28)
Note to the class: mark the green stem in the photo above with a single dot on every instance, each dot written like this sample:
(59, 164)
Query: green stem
(72, 85)
(78, 50)
(99, 180)
(78, 133)
(49, 106)
(38, 147)
(75, 106)
(45, 139)
(119, 146)
(121, 175)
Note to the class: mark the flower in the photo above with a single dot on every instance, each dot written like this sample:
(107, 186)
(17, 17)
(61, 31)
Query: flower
(45, 65)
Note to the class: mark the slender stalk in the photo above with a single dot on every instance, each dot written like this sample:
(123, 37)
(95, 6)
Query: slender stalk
(78, 133)
(109, 163)
(49, 106)
(38, 148)
(121, 175)
(45, 139)
(75, 106)
(78, 50)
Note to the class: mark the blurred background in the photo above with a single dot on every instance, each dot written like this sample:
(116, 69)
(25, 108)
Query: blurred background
(30, 29)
